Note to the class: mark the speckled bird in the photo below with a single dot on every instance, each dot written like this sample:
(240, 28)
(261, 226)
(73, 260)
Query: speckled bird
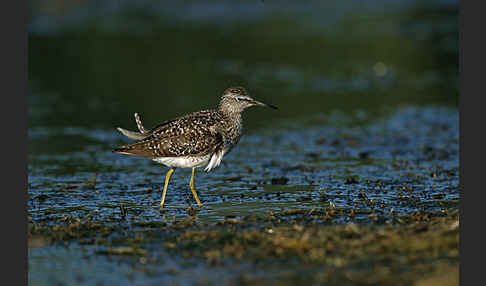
(198, 139)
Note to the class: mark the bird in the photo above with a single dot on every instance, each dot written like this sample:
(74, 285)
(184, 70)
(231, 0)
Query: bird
(198, 139)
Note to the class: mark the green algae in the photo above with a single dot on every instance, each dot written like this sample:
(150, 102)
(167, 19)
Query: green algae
(410, 248)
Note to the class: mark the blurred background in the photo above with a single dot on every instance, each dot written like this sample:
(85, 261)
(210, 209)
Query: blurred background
(94, 63)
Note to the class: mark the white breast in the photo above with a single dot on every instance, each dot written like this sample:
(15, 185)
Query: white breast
(211, 161)
(183, 162)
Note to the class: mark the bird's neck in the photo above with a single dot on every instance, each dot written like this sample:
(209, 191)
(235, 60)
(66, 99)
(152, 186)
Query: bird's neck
(233, 124)
(233, 118)
(230, 112)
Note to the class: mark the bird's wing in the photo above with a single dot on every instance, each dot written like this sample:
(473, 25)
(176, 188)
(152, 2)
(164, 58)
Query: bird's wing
(133, 134)
(186, 136)
(144, 133)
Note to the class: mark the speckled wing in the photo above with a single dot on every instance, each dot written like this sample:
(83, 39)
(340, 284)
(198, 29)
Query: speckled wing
(192, 135)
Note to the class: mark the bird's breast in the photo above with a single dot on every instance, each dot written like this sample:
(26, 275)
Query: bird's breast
(184, 161)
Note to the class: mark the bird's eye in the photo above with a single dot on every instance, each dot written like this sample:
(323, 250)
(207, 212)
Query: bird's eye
(237, 91)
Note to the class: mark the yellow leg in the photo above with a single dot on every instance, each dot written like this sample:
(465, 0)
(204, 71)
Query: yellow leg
(164, 192)
(193, 190)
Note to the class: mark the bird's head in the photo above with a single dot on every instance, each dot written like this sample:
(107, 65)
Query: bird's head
(237, 99)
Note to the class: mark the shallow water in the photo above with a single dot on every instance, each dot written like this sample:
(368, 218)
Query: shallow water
(367, 122)
(398, 165)
(410, 155)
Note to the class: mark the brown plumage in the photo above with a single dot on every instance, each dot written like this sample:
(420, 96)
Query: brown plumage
(192, 135)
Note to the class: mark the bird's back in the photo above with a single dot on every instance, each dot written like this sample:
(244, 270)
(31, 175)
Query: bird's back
(195, 134)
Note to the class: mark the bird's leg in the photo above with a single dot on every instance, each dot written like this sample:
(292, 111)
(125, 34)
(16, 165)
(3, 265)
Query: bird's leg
(164, 192)
(193, 190)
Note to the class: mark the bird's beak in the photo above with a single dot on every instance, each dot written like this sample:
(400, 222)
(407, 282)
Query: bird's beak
(256, 102)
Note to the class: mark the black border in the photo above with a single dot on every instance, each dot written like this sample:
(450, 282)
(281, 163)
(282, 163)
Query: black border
(461, 142)
(13, 27)
(472, 58)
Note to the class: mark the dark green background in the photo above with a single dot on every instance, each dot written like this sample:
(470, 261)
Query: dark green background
(93, 64)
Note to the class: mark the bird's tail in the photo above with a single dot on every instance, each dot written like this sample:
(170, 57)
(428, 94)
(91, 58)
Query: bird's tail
(135, 149)
(122, 150)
